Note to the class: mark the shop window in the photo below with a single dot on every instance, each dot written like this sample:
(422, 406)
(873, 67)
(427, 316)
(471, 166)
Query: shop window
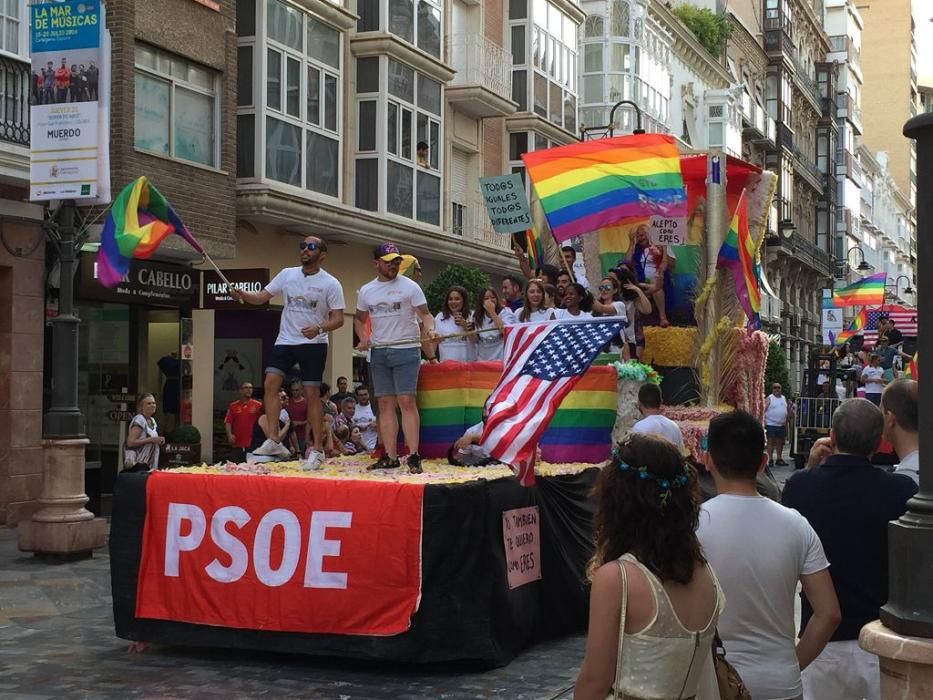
(176, 107)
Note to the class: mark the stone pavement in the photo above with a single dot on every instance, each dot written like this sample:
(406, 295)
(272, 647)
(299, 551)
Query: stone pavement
(57, 641)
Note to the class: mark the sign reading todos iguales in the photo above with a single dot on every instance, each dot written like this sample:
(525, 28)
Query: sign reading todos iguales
(506, 203)
(66, 72)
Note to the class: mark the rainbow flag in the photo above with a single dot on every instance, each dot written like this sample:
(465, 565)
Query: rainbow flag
(912, 371)
(856, 327)
(451, 397)
(738, 255)
(868, 291)
(136, 225)
(589, 185)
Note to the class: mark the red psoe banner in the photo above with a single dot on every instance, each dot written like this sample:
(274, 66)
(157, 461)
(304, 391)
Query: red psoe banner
(281, 554)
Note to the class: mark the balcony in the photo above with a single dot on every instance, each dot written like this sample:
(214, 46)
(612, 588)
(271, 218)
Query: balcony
(469, 221)
(806, 84)
(847, 108)
(14, 101)
(848, 166)
(800, 249)
(842, 43)
(785, 137)
(777, 37)
(482, 86)
(844, 221)
(805, 166)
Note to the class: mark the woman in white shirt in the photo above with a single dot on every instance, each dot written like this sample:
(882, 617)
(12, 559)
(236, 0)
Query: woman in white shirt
(577, 303)
(533, 308)
(489, 313)
(608, 303)
(453, 319)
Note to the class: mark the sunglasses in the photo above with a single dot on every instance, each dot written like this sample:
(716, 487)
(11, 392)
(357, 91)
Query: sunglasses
(606, 287)
(308, 246)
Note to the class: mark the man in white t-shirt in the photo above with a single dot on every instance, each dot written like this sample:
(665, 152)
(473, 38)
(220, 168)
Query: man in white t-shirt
(394, 305)
(653, 423)
(776, 417)
(873, 379)
(760, 550)
(314, 306)
(365, 419)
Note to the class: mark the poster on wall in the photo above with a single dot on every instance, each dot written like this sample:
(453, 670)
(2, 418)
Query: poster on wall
(236, 360)
(66, 39)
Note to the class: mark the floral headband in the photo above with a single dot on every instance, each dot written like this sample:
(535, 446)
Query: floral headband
(665, 484)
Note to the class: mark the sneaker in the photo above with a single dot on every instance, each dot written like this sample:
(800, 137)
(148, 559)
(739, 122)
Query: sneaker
(781, 463)
(414, 463)
(314, 460)
(271, 448)
(385, 462)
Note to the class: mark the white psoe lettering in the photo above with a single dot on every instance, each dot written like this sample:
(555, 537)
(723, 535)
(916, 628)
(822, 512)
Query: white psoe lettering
(222, 537)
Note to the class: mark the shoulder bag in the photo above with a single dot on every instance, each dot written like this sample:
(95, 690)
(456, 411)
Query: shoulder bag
(731, 686)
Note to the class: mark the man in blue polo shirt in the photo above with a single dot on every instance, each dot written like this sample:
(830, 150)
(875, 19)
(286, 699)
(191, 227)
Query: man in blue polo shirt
(849, 502)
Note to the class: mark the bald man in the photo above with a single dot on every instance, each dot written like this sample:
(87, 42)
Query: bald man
(313, 308)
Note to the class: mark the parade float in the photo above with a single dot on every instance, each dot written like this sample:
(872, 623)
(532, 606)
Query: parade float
(455, 563)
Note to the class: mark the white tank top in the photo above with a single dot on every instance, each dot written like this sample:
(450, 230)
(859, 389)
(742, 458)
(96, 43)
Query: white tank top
(776, 413)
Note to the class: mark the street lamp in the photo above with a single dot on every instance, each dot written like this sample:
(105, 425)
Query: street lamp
(863, 266)
(610, 127)
(907, 290)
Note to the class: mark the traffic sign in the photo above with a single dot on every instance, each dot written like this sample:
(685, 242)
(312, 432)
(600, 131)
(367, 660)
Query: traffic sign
(119, 416)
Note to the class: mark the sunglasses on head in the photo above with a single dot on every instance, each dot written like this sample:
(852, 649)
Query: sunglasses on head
(308, 246)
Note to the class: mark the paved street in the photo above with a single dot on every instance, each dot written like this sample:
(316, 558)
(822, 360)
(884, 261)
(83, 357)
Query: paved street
(57, 641)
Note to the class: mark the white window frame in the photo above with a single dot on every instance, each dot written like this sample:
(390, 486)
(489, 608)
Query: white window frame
(22, 53)
(383, 25)
(175, 82)
(383, 98)
(261, 43)
(517, 167)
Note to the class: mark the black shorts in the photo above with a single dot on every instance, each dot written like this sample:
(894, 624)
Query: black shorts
(310, 357)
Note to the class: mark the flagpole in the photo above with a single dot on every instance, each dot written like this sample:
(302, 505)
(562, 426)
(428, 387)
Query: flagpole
(223, 277)
(715, 230)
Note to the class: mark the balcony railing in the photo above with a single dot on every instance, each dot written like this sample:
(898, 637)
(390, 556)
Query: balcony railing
(478, 61)
(848, 165)
(806, 164)
(807, 84)
(843, 43)
(15, 91)
(470, 221)
(849, 109)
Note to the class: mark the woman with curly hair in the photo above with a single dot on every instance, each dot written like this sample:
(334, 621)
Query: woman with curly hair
(649, 577)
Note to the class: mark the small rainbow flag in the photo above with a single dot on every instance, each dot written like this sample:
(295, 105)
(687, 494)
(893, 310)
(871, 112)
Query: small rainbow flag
(868, 291)
(136, 225)
(587, 186)
(737, 253)
(913, 371)
(856, 327)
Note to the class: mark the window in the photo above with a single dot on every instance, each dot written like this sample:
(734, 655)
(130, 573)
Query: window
(14, 28)
(416, 21)
(176, 107)
(303, 100)
(404, 109)
(521, 142)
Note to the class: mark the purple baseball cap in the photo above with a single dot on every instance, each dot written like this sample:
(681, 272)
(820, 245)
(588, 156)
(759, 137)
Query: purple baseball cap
(387, 252)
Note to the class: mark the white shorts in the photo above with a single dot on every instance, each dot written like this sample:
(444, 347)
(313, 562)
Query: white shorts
(842, 671)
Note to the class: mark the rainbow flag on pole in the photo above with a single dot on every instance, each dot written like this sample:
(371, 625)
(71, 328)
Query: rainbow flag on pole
(868, 291)
(138, 222)
(589, 185)
(738, 255)
(856, 327)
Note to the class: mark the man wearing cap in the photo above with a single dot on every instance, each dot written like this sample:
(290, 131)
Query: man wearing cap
(313, 308)
(394, 305)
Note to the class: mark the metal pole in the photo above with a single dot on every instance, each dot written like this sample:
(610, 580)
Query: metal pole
(909, 610)
(64, 419)
(716, 216)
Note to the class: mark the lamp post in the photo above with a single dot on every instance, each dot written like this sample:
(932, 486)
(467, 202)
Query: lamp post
(863, 266)
(903, 638)
(610, 127)
(897, 284)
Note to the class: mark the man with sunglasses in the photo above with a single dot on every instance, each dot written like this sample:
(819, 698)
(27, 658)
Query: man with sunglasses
(313, 308)
(394, 305)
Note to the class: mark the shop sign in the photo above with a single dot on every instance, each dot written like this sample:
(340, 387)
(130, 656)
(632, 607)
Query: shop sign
(120, 416)
(217, 295)
(147, 282)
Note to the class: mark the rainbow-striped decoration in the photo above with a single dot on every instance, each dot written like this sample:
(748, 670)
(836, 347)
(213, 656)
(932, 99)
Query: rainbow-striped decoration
(868, 291)
(858, 323)
(738, 255)
(589, 185)
(451, 397)
(136, 225)
(912, 371)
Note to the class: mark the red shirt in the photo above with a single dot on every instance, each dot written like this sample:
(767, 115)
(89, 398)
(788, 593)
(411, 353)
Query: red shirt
(298, 411)
(242, 416)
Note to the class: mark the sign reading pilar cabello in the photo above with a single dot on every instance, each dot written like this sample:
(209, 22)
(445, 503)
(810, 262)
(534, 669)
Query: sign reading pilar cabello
(147, 282)
(288, 555)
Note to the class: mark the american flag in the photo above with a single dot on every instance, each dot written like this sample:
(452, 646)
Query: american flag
(905, 321)
(543, 361)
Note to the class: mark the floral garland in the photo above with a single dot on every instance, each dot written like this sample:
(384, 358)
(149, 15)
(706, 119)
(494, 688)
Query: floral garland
(670, 347)
(636, 371)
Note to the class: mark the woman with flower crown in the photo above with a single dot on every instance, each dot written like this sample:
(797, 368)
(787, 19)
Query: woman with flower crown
(654, 601)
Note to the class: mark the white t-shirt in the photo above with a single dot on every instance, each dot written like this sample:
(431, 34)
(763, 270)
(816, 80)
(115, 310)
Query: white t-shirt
(148, 453)
(490, 346)
(662, 427)
(759, 550)
(366, 420)
(873, 373)
(308, 302)
(456, 349)
(539, 315)
(647, 261)
(629, 332)
(392, 308)
(776, 410)
(560, 314)
(475, 450)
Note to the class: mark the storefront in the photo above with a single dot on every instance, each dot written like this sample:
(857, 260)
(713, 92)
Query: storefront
(130, 341)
